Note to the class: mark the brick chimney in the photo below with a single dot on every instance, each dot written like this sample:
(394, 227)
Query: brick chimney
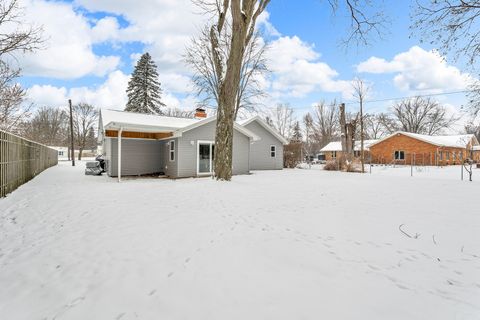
(200, 113)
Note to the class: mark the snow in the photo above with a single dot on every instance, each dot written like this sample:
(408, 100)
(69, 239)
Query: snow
(454, 141)
(110, 117)
(337, 145)
(291, 244)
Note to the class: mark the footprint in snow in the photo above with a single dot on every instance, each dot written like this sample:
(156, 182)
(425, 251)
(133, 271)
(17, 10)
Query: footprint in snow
(170, 274)
(152, 292)
(120, 316)
(187, 260)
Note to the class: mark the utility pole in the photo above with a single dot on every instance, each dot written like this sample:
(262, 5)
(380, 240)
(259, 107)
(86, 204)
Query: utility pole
(72, 147)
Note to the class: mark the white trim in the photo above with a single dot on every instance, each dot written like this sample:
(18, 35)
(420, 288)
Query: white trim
(211, 143)
(170, 151)
(267, 127)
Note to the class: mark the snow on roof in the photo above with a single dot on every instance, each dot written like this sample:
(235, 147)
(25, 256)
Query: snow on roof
(454, 141)
(265, 125)
(116, 118)
(337, 145)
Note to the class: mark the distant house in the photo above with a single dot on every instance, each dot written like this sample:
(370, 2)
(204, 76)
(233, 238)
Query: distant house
(333, 150)
(407, 148)
(175, 147)
(62, 152)
(267, 152)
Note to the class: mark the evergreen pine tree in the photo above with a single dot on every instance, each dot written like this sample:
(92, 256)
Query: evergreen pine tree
(297, 133)
(144, 92)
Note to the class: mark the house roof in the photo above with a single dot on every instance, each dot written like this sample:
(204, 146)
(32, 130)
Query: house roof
(453, 141)
(337, 145)
(132, 121)
(265, 125)
(204, 121)
(114, 119)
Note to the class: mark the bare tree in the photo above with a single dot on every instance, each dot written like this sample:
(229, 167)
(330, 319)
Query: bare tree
(48, 126)
(422, 115)
(325, 123)
(179, 113)
(282, 119)
(309, 128)
(360, 91)
(473, 128)
(84, 119)
(205, 80)
(13, 108)
(376, 125)
(452, 25)
(243, 14)
(17, 35)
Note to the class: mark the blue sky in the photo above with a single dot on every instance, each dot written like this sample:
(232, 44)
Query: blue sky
(93, 44)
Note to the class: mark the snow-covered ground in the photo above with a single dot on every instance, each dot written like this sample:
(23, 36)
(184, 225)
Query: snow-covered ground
(291, 244)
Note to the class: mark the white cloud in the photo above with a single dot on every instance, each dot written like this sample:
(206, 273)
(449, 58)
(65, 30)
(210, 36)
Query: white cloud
(110, 94)
(298, 71)
(418, 69)
(68, 47)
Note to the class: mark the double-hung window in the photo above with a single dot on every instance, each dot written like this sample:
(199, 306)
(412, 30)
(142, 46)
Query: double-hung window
(171, 150)
(273, 151)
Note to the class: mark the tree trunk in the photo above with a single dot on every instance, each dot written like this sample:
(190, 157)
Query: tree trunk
(227, 98)
(80, 151)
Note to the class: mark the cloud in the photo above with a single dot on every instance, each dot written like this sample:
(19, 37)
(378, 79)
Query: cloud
(110, 94)
(298, 71)
(68, 47)
(418, 69)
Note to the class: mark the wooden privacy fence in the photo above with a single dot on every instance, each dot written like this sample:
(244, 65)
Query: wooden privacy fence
(21, 160)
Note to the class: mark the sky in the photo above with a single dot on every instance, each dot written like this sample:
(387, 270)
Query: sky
(92, 46)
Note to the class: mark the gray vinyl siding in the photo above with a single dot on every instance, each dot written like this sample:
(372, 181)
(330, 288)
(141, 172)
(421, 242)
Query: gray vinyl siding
(260, 158)
(187, 150)
(139, 156)
(171, 167)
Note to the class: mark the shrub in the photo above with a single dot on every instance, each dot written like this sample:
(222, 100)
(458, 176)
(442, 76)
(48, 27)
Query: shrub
(331, 165)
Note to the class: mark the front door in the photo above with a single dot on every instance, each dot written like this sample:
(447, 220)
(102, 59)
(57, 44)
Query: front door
(206, 152)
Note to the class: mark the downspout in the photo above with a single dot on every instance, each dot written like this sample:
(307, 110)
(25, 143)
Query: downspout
(119, 161)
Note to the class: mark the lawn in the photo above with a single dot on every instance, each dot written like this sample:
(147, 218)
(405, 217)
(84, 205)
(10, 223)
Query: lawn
(291, 244)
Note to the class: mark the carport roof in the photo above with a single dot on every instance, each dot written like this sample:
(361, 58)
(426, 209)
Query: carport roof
(113, 119)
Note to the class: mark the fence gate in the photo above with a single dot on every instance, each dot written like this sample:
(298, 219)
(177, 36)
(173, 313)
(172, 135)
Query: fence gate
(21, 160)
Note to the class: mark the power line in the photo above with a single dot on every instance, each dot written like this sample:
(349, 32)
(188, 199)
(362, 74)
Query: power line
(397, 98)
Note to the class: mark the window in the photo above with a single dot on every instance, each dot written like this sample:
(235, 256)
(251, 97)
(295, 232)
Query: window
(273, 151)
(60, 153)
(399, 155)
(447, 155)
(356, 154)
(440, 155)
(454, 156)
(171, 149)
(460, 155)
(334, 154)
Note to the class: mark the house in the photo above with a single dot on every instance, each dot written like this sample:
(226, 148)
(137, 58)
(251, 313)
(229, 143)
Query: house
(62, 152)
(333, 150)
(267, 152)
(175, 147)
(407, 148)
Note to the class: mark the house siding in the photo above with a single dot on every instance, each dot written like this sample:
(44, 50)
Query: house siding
(187, 152)
(425, 153)
(139, 156)
(260, 158)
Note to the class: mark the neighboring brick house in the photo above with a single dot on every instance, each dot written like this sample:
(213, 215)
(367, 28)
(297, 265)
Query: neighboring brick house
(407, 148)
(333, 150)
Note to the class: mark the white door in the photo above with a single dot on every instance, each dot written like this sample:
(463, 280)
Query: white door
(205, 156)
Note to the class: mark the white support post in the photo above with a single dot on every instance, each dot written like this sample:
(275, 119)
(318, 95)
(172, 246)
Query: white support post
(119, 162)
